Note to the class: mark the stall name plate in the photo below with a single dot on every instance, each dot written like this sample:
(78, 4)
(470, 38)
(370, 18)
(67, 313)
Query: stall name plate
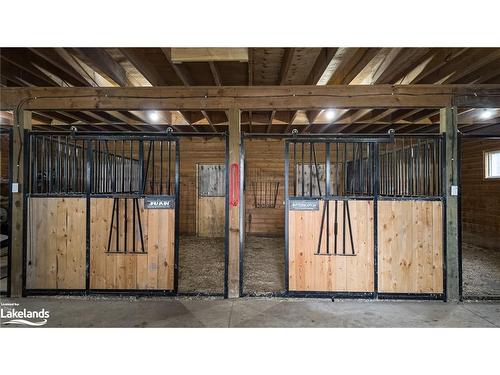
(304, 205)
(159, 202)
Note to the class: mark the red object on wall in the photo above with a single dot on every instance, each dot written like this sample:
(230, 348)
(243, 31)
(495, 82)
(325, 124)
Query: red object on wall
(234, 185)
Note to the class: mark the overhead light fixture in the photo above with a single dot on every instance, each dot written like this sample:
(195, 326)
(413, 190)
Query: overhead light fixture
(154, 116)
(486, 114)
(330, 114)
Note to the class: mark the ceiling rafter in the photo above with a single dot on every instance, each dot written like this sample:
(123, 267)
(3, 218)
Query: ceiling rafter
(185, 77)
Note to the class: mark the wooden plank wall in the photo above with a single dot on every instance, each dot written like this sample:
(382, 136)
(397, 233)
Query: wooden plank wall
(480, 196)
(410, 247)
(310, 272)
(268, 156)
(154, 270)
(56, 243)
(211, 216)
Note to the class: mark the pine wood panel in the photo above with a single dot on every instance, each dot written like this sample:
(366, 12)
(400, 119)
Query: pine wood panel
(311, 272)
(480, 196)
(56, 243)
(211, 216)
(154, 270)
(410, 247)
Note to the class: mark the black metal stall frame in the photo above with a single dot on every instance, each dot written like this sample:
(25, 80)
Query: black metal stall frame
(83, 185)
(374, 141)
(461, 138)
(7, 132)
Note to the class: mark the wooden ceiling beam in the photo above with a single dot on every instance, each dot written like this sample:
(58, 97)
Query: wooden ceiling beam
(186, 79)
(251, 98)
(215, 73)
(271, 118)
(104, 64)
(285, 66)
(52, 57)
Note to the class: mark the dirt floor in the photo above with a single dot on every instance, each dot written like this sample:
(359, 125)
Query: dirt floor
(201, 265)
(481, 271)
(264, 265)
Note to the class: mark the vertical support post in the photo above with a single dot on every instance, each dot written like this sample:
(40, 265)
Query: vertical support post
(22, 122)
(448, 126)
(234, 116)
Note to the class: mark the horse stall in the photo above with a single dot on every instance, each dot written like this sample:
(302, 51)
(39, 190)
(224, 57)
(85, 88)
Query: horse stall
(343, 215)
(480, 216)
(126, 213)
(263, 216)
(203, 215)
(101, 213)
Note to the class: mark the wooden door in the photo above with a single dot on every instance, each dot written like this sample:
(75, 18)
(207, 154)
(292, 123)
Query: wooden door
(211, 193)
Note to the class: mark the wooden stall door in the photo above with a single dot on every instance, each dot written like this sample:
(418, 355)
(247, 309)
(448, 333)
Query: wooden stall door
(410, 247)
(56, 243)
(152, 268)
(349, 272)
(211, 188)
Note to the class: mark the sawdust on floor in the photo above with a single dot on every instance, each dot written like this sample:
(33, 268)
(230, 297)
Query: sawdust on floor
(201, 265)
(480, 270)
(264, 265)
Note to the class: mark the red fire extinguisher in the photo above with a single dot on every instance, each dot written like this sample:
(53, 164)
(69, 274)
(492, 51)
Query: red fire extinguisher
(234, 185)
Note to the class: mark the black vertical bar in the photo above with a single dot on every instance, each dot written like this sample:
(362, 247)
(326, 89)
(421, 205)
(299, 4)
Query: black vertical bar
(141, 166)
(73, 173)
(287, 206)
(123, 167)
(152, 145)
(345, 169)
(310, 171)
(294, 169)
(66, 172)
(169, 165)
(125, 224)
(375, 188)
(34, 158)
(362, 171)
(418, 192)
(327, 169)
(161, 167)
(303, 182)
(50, 164)
(177, 219)
(327, 194)
(88, 189)
(117, 224)
(115, 172)
(337, 182)
(59, 165)
(130, 169)
(335, 228)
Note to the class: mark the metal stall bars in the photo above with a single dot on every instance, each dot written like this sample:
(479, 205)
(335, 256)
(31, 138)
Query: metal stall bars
(111, 184)
(342, 169)
(139, 176)
(6, 149)
(55, 243)
(411, 247)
